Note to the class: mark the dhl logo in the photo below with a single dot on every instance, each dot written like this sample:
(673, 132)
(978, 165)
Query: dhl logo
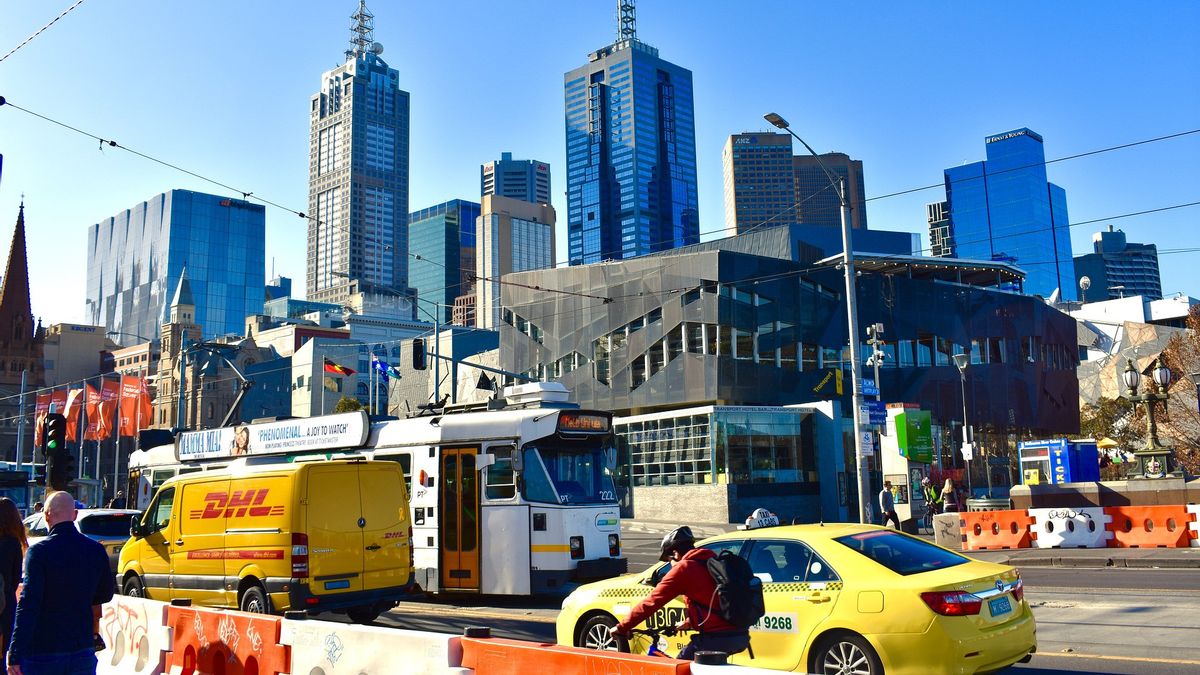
(238, 505)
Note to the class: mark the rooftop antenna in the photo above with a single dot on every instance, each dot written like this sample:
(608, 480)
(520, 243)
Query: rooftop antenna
(362, 31)
(626, 20)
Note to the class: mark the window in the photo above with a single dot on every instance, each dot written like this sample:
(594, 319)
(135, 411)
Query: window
(899, 553)
(734, 545)
(783, 561)
(159, 512)
(499, 483)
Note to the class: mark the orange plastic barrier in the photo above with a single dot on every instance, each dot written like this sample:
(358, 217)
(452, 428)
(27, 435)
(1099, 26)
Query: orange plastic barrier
(216, 642)
(498, 656)
(992, 530)
(1148, 526)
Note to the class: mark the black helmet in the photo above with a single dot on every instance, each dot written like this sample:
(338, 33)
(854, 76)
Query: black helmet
(680, 539)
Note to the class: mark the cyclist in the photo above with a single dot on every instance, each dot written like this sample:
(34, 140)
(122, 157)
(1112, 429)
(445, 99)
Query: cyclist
(690, 578)
(933, 501)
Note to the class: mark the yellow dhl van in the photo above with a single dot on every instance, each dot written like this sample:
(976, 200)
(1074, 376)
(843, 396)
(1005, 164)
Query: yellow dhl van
(309, 535)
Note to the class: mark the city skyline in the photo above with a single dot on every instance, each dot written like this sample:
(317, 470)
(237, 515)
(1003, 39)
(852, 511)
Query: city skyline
(1094, 105)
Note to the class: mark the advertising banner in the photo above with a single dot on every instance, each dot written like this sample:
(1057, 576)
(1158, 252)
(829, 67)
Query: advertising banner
(136, 410)
(41, 407)
(915, 435)
(344, 430)
(72, 411)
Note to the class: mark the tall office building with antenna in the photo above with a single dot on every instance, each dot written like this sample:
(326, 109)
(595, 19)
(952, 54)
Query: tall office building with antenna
(631, 151)
(358, 178)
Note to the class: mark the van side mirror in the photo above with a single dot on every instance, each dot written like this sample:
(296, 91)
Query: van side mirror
(135, 527)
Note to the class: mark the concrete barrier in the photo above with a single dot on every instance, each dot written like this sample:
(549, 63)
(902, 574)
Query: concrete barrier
(1194, 526)
(136, 637)
(1070, 527)
(327, 648)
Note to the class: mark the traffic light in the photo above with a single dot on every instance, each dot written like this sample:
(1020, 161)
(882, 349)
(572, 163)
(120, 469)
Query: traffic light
(39, 474)
(54, 452)
(418, 354)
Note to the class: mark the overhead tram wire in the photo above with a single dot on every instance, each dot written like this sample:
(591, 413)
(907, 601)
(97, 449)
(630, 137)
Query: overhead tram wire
(40, 30)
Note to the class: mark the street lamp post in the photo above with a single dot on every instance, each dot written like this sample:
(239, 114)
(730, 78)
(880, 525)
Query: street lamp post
(1156, 459)
(851, 319)
(961, 361)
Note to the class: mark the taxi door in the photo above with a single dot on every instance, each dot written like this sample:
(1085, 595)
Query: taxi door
(799, 591)
(335, 537)
(458, 501)
(153, 551)
(385, 526)
(198, 548)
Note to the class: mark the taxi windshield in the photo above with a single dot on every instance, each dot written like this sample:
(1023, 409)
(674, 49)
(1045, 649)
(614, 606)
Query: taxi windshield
(579, 472)
(900, 554)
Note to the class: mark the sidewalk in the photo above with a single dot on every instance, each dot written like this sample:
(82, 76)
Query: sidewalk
(1136, 558)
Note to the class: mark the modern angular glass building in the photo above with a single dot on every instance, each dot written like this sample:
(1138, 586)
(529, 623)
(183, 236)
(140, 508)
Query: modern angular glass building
(631, 152)
(136, 257)
(1004, 209)
(358, 174)
(444, 238)
(1117, 268)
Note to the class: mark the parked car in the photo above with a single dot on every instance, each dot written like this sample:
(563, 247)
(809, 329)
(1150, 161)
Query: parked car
(110, 527)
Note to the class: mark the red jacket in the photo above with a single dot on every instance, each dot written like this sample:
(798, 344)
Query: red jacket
(690, 578)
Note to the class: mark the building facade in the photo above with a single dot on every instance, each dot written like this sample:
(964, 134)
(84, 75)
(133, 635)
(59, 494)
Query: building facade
(135, 260)
(1005, 209)
(816, 201)
(511, 236)
(631, 152)
(1118, 268)
(937, 215)
(524, 179)
(72, 352)
(358, 174)
(760, 187)
(442, 241)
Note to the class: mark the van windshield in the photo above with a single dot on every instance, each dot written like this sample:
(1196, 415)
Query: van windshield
(570, 472)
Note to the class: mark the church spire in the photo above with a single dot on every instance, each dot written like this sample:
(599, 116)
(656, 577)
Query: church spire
(14, 291)
(183, 307)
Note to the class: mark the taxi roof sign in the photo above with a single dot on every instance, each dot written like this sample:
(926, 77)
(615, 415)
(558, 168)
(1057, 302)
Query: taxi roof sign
(761, 518)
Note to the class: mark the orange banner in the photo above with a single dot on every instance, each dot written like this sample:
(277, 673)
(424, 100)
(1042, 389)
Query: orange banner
(100, 422)
(93, 413)
(136, 409)
(39, 417)
(72, 410)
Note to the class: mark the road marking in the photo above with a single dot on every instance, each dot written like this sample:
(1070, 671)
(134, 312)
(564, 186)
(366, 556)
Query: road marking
(1074, 655)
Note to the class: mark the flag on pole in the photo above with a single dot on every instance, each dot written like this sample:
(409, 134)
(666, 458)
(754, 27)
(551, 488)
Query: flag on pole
(385, 369)
(331, 367)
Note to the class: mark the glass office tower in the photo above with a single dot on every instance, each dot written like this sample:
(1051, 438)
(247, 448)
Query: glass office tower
(136, 257)
(444, 238)
(631, 153)
(1004, 209)
(524, 179)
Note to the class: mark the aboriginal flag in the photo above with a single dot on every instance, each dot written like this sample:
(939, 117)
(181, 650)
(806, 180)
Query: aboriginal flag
(331, 367)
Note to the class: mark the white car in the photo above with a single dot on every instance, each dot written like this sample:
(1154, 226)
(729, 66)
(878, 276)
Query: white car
(110, 527)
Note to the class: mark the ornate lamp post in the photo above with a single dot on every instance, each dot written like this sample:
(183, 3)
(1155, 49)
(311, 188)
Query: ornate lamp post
(1156, 459)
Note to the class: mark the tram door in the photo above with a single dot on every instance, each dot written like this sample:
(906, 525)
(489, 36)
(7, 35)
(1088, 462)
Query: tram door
(459, 527)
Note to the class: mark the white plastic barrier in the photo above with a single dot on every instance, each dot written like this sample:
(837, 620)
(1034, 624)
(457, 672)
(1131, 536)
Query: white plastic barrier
(1194, 526)
(136, 636)
(1081, 527)
(328, 648)
(700, 669)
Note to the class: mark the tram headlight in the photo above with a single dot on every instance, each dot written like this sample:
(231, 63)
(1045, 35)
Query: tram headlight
(576, 547)
(614, 545)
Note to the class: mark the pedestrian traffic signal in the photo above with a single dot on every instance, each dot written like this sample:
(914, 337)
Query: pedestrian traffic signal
(418, 362)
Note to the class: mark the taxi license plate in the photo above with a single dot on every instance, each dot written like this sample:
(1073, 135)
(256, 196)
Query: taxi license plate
(999, 606)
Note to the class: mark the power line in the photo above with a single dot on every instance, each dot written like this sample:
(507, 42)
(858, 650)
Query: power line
(39, 31)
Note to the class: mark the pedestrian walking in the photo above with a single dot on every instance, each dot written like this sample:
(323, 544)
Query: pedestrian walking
(12, 552)
(689, 577)
(887, 505)
(66, 579)
(949, 497)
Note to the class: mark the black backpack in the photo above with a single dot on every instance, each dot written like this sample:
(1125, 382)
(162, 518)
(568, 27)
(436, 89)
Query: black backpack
(739, 597)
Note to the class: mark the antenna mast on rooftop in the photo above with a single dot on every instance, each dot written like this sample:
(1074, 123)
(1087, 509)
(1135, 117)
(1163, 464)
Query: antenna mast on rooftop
(362, 31)
(626, 20)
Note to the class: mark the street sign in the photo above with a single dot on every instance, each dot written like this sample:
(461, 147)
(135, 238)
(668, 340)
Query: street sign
(869, 388)
(968, 451)
(868, 444)
(873, 412)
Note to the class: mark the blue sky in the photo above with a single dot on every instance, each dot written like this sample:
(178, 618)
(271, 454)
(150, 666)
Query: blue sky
(222, 87)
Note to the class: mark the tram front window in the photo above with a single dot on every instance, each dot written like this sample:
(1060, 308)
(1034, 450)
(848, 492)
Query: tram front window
(579, 475)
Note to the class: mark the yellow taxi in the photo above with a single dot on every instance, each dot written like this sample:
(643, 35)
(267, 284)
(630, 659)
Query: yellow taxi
(840, 598)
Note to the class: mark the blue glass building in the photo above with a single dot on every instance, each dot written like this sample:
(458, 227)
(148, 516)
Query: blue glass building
(444, 238)
(631, 154)
(1005, 209)
(135, 259)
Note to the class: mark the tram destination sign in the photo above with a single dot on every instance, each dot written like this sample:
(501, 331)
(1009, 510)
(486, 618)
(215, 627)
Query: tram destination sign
(584, 422)
(344, 430)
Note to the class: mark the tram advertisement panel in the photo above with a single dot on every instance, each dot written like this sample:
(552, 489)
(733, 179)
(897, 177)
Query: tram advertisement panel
(344, 430)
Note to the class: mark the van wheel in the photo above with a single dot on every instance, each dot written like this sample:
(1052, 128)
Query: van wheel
(597, 633)
(133, 587)
(846, 654)
(254, 600)
(365, 614)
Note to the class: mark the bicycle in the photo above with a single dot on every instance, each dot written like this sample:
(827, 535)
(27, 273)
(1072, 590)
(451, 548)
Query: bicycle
(655, 636)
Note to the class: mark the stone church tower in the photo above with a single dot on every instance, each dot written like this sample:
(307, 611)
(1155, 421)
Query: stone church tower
(20, 346)
(180, 332)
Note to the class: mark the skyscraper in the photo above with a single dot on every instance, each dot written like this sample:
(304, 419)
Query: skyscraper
(937, 215)
(816, 200)
(1117, 268)
(631, 151)
(524, 179)
(760, 190)
(358, 175)
(444, 238)
(512, 236)
(136, 257)
(1005, 209)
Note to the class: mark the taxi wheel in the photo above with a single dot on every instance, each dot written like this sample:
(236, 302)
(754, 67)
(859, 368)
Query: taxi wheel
(846, 654)
(133, 587)
(597, 634)
(254, 600)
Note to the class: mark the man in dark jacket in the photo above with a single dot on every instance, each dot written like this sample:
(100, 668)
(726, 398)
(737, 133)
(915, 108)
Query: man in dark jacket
(66, 577)
(689, 577)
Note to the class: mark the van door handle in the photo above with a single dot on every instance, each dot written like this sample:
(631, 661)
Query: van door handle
(374, 547)
(817, 598)
(179, 542)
